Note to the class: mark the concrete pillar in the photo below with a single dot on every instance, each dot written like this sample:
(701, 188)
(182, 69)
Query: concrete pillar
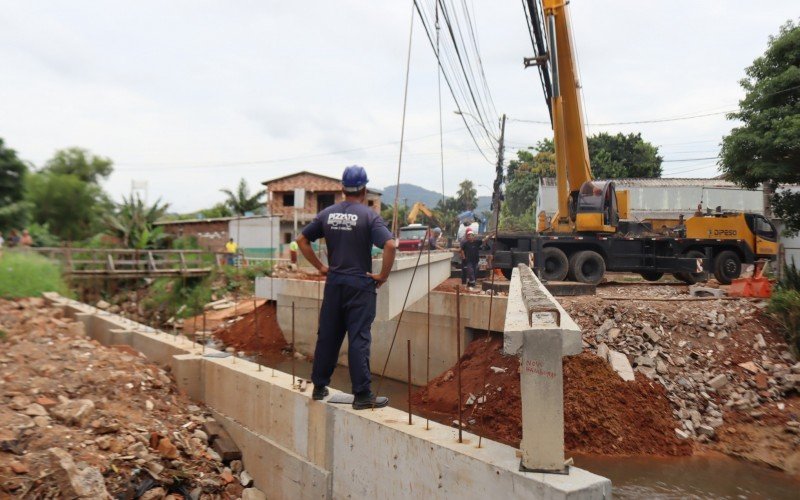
(541, 331)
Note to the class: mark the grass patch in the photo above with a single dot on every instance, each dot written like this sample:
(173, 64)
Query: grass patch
(29, 275)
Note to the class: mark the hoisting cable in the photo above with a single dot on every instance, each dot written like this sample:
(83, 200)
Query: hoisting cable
(395, 229)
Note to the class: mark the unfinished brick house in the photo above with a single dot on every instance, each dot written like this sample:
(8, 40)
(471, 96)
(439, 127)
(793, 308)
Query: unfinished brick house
(321, 191)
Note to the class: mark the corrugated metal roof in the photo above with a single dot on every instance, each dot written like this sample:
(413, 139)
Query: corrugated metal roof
(663, 182)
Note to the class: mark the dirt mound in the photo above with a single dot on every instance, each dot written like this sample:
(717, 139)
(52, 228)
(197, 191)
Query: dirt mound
(602, 413)
(255, 332)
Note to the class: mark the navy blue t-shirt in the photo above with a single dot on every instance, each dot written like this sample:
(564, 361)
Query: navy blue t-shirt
(350, 229)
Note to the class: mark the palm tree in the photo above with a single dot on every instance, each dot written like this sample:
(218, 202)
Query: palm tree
(133, 223)
(241, 201)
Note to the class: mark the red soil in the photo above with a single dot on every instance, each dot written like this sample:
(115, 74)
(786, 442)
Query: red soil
(602, 413)
(256, 332)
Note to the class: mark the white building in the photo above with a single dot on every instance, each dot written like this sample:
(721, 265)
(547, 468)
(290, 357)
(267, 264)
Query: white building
(668, 198)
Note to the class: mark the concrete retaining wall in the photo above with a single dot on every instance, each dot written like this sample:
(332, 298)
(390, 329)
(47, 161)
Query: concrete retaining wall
(474, 316)
(299, 448)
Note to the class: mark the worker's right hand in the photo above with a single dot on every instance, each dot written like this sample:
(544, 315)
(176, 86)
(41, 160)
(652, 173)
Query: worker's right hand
(323, 270)
(379, 279)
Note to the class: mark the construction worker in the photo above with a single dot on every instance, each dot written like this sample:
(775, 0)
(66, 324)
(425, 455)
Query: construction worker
(350, 229)
(470, 257)
(433, 239)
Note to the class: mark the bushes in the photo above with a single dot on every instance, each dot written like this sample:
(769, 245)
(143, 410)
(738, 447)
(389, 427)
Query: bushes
(785, 305)
(25, 274)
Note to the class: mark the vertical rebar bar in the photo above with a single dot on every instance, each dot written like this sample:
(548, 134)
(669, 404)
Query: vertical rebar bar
(408, 345)
(255, 326)
(293, 351)
(458, 353)
(204, 331)
(428, 340)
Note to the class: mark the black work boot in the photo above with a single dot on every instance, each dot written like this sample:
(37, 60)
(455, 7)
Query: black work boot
(366, 400)
(320, 391)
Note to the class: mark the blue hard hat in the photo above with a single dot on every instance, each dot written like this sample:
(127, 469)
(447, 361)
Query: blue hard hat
(354, 178)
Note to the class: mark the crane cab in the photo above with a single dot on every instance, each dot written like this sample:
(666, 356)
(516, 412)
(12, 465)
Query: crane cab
(597, 207)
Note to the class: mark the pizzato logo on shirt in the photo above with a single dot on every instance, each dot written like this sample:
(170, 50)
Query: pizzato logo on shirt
(342, 222)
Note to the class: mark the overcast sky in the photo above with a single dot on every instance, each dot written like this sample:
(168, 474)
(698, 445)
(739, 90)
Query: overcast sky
(192, 96)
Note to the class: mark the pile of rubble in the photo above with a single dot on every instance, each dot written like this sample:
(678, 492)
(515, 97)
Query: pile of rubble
(711, 356)
(88, 421)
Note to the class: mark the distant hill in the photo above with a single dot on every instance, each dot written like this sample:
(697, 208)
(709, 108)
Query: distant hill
(411, 193)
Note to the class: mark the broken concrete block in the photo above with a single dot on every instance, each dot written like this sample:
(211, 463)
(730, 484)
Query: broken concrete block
(706, 430)
(602, 351)
(75, 412)
(651, 334)
(750, 366)
(718, 382)
(253, 494)
(74, 483)
(621, 365)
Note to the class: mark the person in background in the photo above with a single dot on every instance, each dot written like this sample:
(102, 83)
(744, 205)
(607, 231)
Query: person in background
(293, 252)
(26, 240)
(433, 239)
(680, 228)
(13, 238)
(350, 229)
(2, 242)
(230, 250)
(470, 256)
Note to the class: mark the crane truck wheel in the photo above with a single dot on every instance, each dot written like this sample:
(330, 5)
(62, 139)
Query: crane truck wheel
(554, 264)
(588, 267)
(692, 278)
(652, 275)
(727, 267)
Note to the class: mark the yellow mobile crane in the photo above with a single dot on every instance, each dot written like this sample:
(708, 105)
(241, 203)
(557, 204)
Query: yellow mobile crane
(589, 234)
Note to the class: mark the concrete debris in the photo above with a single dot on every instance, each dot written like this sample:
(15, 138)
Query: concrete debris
(718, 382)
(495, 369)
(621, 365)
(73, 482)
(75, 412)
(603, 351)
(102, 304)
(245, 479)
(84, 418)
(750, 366)
(253, 494)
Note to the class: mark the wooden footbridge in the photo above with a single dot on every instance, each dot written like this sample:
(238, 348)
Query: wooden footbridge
(118, 263)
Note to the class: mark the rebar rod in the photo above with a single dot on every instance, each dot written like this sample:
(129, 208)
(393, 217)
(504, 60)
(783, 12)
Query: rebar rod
(458, 354)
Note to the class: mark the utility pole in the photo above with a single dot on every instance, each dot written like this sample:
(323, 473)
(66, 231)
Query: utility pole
(497, 195)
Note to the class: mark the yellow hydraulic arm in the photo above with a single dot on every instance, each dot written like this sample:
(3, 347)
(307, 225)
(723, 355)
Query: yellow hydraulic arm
(416, 209)
(572, 151)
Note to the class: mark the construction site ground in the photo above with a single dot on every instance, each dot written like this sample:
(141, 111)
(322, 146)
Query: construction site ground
(82, 420)
(711, 375)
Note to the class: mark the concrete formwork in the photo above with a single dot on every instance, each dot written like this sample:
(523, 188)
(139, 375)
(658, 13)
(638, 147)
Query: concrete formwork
(299, 448)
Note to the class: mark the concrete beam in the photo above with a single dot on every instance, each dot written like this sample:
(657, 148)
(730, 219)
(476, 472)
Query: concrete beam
(539, 328)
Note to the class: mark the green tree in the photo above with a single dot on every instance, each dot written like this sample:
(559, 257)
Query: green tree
(70, 207)
(467, 195)
(619, 156)
(13, 209)
(132, 222)
(522, 179)
(766, 148)
(241, 201)
(80, 163)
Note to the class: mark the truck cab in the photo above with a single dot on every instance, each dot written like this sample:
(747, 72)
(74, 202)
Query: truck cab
(412, 237)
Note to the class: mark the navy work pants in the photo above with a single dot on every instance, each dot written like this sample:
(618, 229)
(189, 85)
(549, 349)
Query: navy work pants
(344, 309)
(469, 272)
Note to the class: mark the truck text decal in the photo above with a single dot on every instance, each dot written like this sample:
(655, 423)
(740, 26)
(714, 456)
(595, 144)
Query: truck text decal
(722, 232)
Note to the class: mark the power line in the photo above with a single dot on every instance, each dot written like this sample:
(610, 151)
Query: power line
(447, 80)
(637, 122)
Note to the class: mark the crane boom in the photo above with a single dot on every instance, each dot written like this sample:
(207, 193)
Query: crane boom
(569, 137)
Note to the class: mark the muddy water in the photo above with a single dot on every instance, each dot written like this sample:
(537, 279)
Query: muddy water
(712, 476)
(697, 477)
